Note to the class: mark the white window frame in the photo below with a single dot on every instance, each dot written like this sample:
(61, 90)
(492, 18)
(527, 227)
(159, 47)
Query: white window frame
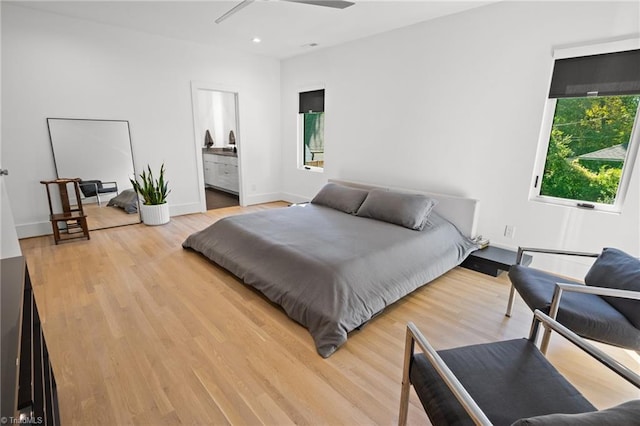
(300, 129)
(545, 137)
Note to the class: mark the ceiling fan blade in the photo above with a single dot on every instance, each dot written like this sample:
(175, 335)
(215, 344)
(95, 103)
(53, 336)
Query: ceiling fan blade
(337, 4)
(234, 9)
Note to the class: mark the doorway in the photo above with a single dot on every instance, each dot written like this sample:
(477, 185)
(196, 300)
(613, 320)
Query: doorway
(215, 117)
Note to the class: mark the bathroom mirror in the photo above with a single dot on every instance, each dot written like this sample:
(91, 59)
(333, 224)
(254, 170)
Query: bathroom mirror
(99, 153)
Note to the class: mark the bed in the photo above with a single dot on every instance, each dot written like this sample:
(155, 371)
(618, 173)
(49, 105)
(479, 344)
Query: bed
(336, 262)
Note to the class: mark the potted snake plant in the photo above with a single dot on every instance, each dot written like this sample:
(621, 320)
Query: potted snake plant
(153, 192)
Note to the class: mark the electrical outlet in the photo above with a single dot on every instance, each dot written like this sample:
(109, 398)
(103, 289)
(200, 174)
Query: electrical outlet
(253, 187)
(509, 231)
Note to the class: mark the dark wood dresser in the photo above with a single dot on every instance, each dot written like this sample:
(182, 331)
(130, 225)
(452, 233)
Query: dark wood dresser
(29, 394)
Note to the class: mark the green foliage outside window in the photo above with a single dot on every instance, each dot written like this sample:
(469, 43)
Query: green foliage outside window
(314, 139)
(584, 126)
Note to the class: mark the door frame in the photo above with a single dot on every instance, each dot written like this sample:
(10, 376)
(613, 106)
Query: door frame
(197, 86)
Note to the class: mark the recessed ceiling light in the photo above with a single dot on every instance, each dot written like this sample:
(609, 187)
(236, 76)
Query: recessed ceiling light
(256, 40)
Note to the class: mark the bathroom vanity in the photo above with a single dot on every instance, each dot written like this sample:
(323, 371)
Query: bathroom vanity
(221, 169)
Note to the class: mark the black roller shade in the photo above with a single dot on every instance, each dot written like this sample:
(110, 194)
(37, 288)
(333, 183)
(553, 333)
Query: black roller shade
(605, 75)
(312, 101)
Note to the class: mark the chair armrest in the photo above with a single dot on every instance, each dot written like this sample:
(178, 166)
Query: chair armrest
(581, 288)
(115, 184)
(614, 365)
(522, 250)
(600, 291)
(461, 394)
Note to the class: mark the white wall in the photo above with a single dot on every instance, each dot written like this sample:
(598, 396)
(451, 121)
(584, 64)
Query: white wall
(455, 105)
(54, 66)
(9, 245)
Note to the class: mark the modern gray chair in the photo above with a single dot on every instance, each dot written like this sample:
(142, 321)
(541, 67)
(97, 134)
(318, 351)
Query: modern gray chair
(505, 383)
(93, 188)
(606, 309)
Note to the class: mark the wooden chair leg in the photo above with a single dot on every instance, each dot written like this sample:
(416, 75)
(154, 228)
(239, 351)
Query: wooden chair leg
(85, 227)
(56, 231)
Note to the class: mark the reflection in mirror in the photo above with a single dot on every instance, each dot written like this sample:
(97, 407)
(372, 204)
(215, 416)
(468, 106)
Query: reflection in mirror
(216, 129)
(99, 153)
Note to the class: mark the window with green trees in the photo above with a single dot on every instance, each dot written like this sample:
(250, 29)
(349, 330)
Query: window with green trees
(588, 147)
(311, 129)
(589, 140)
(313, 136)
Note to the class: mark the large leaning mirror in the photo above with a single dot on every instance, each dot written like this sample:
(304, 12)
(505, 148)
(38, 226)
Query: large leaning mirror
(99, 153)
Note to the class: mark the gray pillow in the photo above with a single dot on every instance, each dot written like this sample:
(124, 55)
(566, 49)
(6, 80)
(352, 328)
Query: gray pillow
(408, 210)
(623, 414)
(616, 269)
(340, 197)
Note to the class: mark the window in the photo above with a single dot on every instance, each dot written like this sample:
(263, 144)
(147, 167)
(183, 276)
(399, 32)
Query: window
(311, 125)
(589, 140)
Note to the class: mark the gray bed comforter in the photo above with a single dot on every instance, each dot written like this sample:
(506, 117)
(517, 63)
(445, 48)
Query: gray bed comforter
(330, 271)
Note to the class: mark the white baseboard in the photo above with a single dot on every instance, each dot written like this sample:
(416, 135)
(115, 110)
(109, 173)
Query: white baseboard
(294, 198)
(181, 209)
(36, 229)
(263, 198)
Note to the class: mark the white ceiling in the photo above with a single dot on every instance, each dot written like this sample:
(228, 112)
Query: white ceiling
(285, 28)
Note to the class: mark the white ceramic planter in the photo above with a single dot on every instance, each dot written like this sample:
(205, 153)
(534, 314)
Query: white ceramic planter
(155, 214)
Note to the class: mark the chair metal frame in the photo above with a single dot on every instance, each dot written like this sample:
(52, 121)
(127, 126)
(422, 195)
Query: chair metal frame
(414, 336)
(580, 288)
(519, 256)
(95, 185)
(563, 286)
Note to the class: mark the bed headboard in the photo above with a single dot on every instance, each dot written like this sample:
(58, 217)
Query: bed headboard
(461, 211)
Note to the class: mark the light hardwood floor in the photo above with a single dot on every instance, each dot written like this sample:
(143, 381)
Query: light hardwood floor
(141, 331)
(103, 216)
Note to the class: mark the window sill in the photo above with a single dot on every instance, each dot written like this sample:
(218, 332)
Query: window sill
(602, 208)
(311, 169)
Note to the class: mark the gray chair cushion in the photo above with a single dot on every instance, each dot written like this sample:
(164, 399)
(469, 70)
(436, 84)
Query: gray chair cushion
(616, 269)
(340, 197)
(404, 209)
(626, 414)
(89, 188)
(508, 380)
(588, 315)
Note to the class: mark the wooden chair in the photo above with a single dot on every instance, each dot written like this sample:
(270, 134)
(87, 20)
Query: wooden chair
(72, 216)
